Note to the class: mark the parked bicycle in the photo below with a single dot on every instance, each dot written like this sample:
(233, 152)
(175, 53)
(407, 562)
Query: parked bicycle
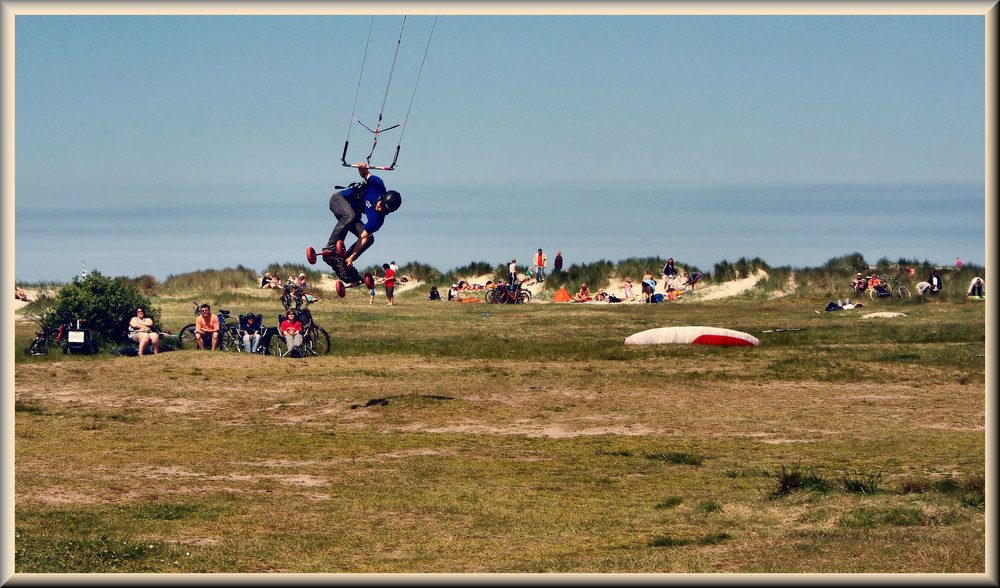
(884, 289)
(508, 294)
(57, 336)
(294, 296)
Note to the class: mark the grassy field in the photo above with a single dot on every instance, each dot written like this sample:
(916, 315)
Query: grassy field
(475, 438)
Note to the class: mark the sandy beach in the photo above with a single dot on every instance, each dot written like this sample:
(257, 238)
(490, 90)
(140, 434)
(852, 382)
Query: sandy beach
(707, 293)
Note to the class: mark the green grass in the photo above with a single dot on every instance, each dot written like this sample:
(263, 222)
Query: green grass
(437, 439)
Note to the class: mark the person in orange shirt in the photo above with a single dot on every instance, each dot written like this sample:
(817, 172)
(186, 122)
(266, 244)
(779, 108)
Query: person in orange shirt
(205, 326)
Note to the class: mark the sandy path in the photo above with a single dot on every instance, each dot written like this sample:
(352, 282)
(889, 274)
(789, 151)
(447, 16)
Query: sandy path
(728, 289)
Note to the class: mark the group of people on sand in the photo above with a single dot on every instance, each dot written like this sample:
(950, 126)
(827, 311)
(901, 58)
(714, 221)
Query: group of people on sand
(674, 282)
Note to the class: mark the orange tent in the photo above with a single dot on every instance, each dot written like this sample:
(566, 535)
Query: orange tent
(562, 295)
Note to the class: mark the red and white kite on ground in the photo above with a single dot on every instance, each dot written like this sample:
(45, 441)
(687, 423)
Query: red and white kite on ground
(692, 336)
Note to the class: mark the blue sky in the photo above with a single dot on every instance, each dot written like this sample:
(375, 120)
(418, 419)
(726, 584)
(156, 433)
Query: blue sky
(206, 118)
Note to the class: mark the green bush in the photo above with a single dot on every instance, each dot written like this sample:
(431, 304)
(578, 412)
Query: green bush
(106, 304)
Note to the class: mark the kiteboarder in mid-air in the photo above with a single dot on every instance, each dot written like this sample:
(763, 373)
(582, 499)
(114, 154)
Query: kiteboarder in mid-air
(368, 197)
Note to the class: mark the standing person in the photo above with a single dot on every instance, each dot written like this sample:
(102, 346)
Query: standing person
(392, 264)
(557, 262)
(540, 262)
(627, 286)
(291, 329)
(958, 262)
(668, 268)
(140, 330)
(390, 282)
(512, 271)
(207, 326)
(369, 197)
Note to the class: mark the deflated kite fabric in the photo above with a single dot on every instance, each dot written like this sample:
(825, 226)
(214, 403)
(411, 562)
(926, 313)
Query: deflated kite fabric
(692, 335)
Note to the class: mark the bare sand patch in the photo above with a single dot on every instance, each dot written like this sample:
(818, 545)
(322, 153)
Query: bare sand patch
(883, 315)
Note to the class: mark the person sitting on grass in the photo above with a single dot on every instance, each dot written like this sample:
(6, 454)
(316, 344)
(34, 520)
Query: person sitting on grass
(584, 294)
(859, 284)
(268, 281)
(140, 330)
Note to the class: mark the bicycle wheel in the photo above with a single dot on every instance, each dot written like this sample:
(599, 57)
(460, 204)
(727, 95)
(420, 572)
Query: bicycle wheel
(229, 340)
(903, 292)
(523, 297)
(873, 294)
(185, 335)
(491, 296)
(318, 341)
(40, 345)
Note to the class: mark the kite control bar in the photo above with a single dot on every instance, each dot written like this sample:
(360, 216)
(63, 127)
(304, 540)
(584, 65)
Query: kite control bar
(378, 127)
(392, 166)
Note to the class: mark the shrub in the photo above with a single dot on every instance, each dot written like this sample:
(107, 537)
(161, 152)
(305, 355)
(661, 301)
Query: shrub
(106, 304)
(419, 271)
(792, 479)
(861, 482)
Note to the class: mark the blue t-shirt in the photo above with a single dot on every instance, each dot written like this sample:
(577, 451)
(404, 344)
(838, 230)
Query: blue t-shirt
(365, 199)
(373, 218)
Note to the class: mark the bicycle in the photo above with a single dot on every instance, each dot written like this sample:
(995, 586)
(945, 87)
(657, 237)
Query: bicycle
(293, 295)
(47, 336)
(56, 336)
(508, 294)
(883, 289)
